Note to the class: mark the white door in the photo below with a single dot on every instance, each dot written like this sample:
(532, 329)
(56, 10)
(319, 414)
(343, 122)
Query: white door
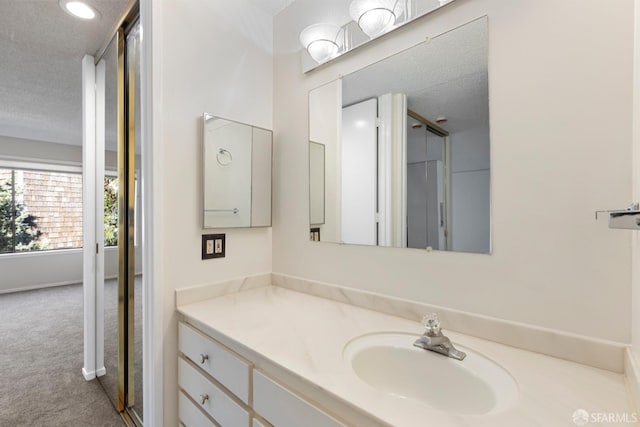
(358, 173)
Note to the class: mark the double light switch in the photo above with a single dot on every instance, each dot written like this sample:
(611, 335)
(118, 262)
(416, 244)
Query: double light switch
(213, 246)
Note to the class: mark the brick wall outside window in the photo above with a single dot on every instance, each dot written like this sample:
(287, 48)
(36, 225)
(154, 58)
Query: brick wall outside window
(5, 175)
(55, 199)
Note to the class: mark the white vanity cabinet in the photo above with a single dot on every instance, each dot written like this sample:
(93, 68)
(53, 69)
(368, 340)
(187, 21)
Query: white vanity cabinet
(216, 360)
(283, 408)
(214, 400)
(221, 388)
(213, 381)
(189, 413)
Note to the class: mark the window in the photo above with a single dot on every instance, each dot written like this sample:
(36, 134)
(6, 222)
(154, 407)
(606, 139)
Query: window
(40, 210)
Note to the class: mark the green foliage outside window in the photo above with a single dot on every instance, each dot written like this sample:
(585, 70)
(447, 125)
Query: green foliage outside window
(27, 235)
(110, 211)
(6, 217)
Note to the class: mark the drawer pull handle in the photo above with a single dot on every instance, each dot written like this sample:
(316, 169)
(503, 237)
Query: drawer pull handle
(203, 398)
(203, 358)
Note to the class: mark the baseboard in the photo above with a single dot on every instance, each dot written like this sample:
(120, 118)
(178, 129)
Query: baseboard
(88, 375)
(51, 285)
(632, 378)
(40, 286)
(101, 372)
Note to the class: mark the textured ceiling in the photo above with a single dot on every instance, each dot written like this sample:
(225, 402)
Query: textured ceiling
(444, 77)
(41, 48)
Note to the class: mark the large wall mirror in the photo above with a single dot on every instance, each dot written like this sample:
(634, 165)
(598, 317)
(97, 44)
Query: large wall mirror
(405, 149)
(237, 174)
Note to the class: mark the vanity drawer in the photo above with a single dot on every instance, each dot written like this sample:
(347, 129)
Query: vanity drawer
(217, 403)
(190, 415)
(227, 368)
(282, 408)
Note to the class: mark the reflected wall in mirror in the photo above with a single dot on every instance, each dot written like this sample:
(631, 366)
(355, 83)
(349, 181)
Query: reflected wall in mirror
(406, 144)
(236, 174)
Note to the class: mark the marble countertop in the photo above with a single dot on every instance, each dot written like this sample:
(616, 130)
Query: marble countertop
(305, 335)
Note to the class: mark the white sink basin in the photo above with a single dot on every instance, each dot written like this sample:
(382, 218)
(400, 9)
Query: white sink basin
(390, 363)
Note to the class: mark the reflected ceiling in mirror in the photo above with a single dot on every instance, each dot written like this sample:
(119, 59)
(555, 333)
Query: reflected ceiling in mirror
(406, 148)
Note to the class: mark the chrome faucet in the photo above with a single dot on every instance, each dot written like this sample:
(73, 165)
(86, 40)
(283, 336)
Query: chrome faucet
(434, 340)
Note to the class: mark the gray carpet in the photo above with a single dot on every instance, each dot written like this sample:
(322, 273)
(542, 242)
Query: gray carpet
(41, 353)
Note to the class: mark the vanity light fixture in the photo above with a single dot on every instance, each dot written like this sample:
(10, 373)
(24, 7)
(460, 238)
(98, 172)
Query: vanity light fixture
(79, 9)
(322, 41)
(376, 17)
(370, 19)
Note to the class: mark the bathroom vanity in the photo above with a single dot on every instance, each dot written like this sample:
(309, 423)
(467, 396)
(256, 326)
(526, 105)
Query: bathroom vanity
(218, 381)
(256, 354)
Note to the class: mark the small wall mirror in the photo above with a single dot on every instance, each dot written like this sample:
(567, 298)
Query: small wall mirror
(236, 174)
(316, 183)
(405, 144)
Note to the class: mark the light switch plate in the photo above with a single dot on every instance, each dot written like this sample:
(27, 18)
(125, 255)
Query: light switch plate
(213, 246)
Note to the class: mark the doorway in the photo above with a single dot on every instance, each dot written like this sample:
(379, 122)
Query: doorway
(41, 306)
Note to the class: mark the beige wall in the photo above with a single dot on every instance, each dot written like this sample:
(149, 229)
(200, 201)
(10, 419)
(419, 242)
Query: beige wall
(28, 149)
(558, 73)
(214, 56)
(635, 160)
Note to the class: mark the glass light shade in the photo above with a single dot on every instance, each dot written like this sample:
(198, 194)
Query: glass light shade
(79, 9)
(322, 41)
(375, 17)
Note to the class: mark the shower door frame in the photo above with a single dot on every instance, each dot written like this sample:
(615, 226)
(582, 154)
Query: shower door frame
(443, 133)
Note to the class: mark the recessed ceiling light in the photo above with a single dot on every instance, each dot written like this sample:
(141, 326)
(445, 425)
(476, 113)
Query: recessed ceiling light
(79, 9)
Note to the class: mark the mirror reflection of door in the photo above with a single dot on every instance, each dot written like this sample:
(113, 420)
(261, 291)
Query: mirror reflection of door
(359, 173)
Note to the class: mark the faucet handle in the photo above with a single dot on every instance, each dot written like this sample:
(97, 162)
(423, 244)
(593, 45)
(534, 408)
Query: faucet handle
(431, 324)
